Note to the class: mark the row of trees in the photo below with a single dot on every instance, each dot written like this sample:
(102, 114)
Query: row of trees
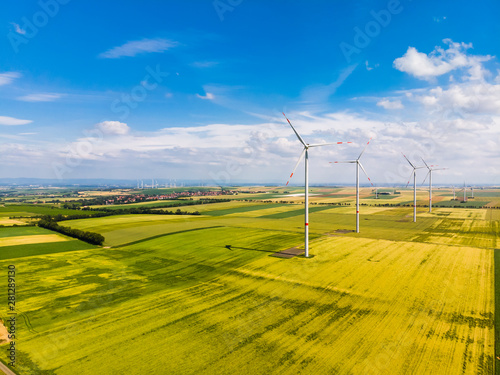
(143, 211)
(89, 237)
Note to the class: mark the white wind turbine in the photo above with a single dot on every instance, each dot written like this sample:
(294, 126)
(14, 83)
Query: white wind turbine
(305, 152)
(358, 164)
(465, 193)
(429, 167)
(414, 173)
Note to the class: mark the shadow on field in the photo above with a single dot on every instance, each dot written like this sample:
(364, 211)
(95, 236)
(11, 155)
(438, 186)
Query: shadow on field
(231, 247)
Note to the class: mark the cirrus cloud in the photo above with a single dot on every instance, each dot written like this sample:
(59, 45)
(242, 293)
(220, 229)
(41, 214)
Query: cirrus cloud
(7, 77)
(136, 47)
(42, 97)
(11, 121)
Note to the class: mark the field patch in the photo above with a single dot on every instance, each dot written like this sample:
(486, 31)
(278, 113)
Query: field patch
(26, 240)
(36, 209)
(242, 209)
(338, 312)
(8, 222)
(296, 212)
(21, 251)
(22, 231)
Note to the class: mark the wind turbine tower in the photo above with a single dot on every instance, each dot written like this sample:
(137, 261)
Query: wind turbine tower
(429, 167)
(358, 165)
(414, 173)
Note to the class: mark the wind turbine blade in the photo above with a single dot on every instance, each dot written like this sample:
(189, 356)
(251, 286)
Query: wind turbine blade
(425, 163)
(362, 152)
(409, 179)
(428, 173)
(366, 174)
(408, 160)
(343, 161)
(296, 165)
(295, 131)
(326, 144)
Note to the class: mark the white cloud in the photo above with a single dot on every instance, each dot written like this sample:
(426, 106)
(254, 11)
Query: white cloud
(18, 29)
(204, 64)
(42, 97)
(266, 151)
(368, 67)
(7, 77)
(387, 104)
(441, 61)
(5, 120)
(467, 98)
(208, 96)
(136, 47)
(113, 127)
(439, 19)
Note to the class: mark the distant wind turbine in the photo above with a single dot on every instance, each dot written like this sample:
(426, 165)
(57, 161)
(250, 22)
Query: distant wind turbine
(429, 167)
(465, 193)
(305, 152)
(414, 173)
(358, 165)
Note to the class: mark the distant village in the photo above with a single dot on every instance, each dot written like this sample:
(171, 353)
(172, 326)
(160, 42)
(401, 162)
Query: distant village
(136, 198)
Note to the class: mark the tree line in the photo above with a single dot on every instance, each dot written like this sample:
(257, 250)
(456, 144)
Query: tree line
(89, 237)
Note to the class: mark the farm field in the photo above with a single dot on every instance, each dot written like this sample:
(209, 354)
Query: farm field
(18, 242)
(399, 297)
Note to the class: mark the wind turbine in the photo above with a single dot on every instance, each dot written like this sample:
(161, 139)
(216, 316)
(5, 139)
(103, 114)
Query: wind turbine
(305, 152)
(414, 173)
(358, 164)
(429, 167)
(454, 197)
(465, 193)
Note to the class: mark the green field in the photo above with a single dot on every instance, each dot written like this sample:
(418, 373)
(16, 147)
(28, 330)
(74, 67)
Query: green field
(27, 249)
(169, 295)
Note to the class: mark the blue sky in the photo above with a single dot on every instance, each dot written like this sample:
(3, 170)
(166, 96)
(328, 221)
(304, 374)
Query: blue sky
(195, 90)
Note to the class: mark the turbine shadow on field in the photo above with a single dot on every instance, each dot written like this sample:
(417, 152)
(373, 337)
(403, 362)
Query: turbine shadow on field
(230, 247)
